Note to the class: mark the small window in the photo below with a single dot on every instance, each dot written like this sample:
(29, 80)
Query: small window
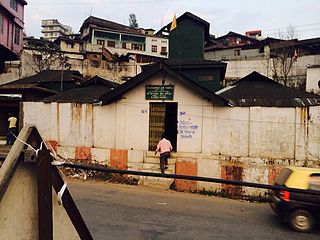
(237, 52)
(136, 46)
(100, 42)
(163, 51)
(124, 45)
(111, 44)
(16, 35)
(70, 45)
(14, 4)
(154, 48)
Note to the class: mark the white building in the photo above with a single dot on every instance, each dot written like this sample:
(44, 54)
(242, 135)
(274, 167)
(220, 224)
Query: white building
(249, 141)
(52, 29)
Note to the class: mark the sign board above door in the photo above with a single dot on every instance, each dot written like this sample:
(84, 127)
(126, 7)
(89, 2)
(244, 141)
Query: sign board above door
(159, 92)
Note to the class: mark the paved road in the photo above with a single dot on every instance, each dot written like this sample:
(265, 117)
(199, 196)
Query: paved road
(133, 212)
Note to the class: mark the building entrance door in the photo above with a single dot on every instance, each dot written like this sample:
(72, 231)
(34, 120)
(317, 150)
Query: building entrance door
(162, 119)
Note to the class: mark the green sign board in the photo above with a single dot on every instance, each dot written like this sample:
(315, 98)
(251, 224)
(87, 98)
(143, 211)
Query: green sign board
(159, 92)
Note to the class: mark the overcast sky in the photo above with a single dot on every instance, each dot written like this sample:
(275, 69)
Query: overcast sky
(270, 16)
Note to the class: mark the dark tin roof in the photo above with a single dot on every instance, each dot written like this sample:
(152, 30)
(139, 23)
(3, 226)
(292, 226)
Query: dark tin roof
(258, 90)
(116, 94)
(46, 81)
(194, 18)
(88, 92)
(106, 24)
(49, 76)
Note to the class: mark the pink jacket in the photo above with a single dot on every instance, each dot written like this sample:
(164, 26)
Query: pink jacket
(164, 145)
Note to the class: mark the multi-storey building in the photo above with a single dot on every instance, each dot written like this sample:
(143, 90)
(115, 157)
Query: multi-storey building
(99, 34)
(52, 29)
(11, 28)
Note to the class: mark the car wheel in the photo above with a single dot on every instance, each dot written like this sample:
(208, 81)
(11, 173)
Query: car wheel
(301, 221)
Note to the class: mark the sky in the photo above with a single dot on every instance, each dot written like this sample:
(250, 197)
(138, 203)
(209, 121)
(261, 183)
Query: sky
(271, 16)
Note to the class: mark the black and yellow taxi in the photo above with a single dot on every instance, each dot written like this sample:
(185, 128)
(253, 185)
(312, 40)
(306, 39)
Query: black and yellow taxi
(300, 210)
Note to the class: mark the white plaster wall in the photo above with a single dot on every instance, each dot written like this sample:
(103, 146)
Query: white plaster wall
(308, 133)
(313, 77)
(239, 68)
(38, 113)
(209, 168)
(75, 124)
(208, 140)
(255, 174)
(231, 131)
(272, 132)
(132, 130)
(104, 126)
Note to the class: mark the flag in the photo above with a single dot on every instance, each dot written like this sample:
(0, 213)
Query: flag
(173, 23)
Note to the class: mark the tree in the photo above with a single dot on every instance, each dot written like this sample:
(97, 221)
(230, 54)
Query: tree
(45, 55)
(133, 21)
(283, 54)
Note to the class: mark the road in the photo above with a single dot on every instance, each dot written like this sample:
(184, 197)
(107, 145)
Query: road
(115, 211)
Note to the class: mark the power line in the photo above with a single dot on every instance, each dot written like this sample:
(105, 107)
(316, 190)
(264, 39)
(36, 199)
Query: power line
(297, 26)
(105, 3)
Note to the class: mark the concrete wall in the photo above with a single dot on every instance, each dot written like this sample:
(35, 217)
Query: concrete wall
(19, 209)
(313, 78)
(239, 67)
(240, 143)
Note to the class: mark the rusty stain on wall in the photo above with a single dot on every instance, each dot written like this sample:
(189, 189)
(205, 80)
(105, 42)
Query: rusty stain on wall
(76, 109)
(186, 167)
(83, 153)
(119, 159)
(273, 172)
(53, 144)
(231, 172)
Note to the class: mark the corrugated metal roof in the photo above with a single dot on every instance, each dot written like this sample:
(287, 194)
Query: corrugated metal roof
(258, 90)
(46, 76)
(89, 92)
(106, 24)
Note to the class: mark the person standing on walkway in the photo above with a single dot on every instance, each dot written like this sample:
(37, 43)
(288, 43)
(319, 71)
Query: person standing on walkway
(12, 130)
(164, 147)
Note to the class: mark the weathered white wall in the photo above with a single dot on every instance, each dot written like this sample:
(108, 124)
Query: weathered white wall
(313, 77)
(240, 67)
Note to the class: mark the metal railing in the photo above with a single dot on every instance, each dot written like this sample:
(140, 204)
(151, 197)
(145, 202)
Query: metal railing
(187, 177)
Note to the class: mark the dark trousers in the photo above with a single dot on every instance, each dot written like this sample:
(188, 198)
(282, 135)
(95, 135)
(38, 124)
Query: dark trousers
(10, 136)
(164, 160)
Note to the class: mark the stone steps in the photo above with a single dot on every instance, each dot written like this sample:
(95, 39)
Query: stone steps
(155, 182)
(4, 150)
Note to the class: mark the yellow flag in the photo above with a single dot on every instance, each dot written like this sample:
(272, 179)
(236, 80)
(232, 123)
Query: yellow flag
(174, 23)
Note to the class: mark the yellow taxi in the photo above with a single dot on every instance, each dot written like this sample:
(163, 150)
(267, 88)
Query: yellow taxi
(300, 210)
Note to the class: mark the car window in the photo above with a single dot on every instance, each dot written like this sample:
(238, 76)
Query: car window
(314, 182)
(283, 176)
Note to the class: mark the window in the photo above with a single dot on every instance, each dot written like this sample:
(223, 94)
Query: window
(124, 45)
(111, 44)
(14, 4)
(237, 52)
(1, 24)
(136, 46)
(70, 45)
(100, 42)
(163, 51)
(314, 182)
(154, 48)
(17, 35)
